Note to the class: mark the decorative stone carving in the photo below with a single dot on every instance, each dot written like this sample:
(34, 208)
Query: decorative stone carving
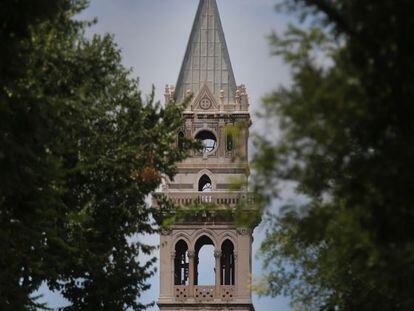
(242, 231)
(237, 98)
(181, 292)
(166, 231)
(227, 292)
(217, 253)
(205, 103)
(221, 100)
(204, 293)
(205, 100)
(191, 254)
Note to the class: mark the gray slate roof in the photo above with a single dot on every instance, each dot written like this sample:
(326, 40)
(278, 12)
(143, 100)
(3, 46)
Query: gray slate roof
(206, 59)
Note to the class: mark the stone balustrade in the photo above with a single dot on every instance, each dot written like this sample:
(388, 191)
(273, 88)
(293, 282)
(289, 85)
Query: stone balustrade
(181, 292)
(231, 198)
(227, 292)
(204, 293)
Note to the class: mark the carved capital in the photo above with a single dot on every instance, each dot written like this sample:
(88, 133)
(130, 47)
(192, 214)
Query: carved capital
(236, 255)
(191, 254)
(172, 254)
(242, 231)
(166, 231)
(217, 253)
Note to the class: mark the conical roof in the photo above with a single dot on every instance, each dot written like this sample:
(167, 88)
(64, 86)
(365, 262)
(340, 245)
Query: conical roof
(206, 60)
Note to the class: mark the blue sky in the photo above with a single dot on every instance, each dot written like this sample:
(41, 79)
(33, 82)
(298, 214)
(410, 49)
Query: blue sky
(153, 34)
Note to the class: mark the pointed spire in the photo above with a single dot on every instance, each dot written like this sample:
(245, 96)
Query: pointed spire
(206, 60)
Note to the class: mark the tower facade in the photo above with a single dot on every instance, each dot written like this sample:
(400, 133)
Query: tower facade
(216, 176)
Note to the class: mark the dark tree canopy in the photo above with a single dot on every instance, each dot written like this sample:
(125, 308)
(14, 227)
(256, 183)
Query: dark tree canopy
(80, 150)
(348, 144)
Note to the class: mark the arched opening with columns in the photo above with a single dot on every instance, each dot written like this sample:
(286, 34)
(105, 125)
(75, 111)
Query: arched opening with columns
(181, 263)
(204, 264)
(180, 140)
(227, 266)
(205, 184)
(229, 142)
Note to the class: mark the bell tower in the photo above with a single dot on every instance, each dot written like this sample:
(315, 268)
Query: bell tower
(215, 176)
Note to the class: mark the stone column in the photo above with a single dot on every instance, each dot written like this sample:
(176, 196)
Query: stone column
(167, 94)
(221, 100)
(172, 272)
(222, 138)
(238, 100)
(236, 270)
(217, 255)
(191, 257)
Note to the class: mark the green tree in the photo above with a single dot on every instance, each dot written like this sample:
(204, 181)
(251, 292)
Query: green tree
(347, 144)
(80, 150)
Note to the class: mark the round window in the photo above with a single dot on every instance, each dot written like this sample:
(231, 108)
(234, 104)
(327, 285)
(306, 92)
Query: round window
(208, 140)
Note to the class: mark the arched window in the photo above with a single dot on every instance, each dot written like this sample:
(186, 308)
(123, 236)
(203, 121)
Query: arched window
(227, 263)
(204, 266)
(181, 263)
(180, 140)
(208, 140)
(205, 184)
(229, 142)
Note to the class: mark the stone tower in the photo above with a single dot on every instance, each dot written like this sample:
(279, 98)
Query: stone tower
(218, 115)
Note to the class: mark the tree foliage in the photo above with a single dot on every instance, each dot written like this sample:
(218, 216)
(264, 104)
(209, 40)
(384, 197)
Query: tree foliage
(80, 151)
(347, 142)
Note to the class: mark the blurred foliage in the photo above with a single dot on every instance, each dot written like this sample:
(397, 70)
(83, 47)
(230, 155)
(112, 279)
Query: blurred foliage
(243, 214)
(347, 143)
(80, 150)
